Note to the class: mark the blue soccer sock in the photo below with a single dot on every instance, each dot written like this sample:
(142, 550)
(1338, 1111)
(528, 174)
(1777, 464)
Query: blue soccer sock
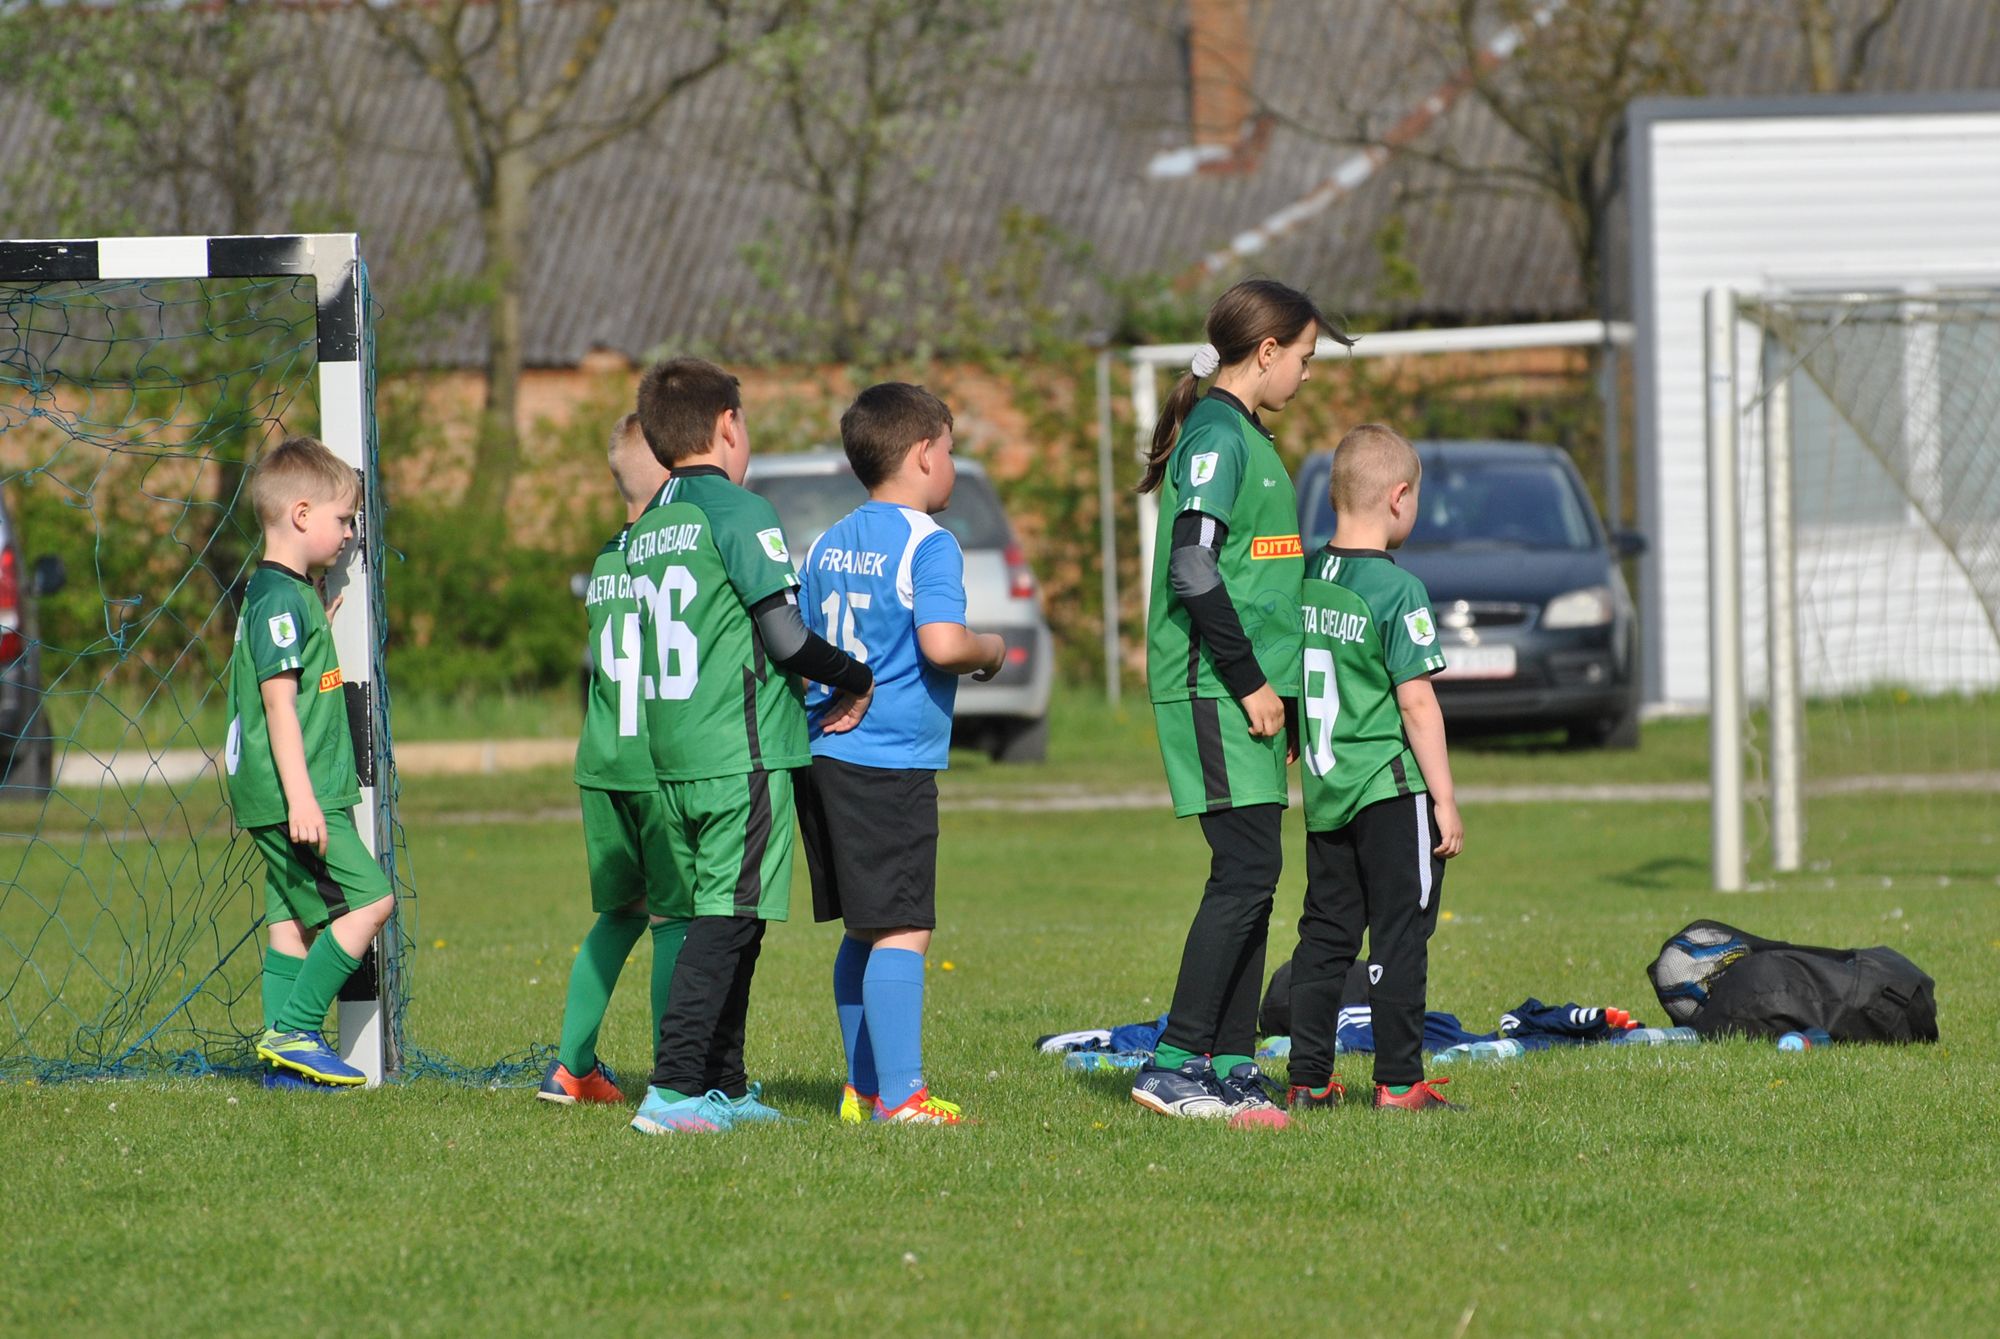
(850, 966)
(893, 998)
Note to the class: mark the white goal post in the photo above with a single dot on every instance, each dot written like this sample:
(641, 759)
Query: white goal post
(343, 366)
(1147, 361)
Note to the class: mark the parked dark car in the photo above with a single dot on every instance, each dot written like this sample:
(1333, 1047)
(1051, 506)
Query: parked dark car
(1534, 615)
(26, 744)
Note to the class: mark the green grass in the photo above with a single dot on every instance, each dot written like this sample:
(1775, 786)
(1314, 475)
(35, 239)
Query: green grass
(1588, 1192)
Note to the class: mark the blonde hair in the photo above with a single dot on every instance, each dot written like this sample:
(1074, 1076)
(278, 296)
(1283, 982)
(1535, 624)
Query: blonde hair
(634, 468)
(300, 469)
(1368, 462)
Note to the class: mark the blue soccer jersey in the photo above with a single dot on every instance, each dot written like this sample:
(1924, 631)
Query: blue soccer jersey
(867, 585)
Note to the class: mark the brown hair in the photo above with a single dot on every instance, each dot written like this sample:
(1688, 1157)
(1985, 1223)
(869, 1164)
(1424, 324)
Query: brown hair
(1368, 462)
(1241, 319)
(679, 401)
(884, 422)
(300, 468)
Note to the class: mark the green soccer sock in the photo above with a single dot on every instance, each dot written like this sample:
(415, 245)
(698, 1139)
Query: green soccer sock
(1170, 1057)
(325, 970)
(668, 936)
(1225, 1063)
(281, 971)
(592, 978)
(1399, 1089)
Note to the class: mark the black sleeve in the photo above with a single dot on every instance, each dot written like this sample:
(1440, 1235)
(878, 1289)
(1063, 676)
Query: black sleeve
(797, 649)
(1196, 579)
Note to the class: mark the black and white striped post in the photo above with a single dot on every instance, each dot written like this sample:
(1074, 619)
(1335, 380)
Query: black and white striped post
(367, 1038)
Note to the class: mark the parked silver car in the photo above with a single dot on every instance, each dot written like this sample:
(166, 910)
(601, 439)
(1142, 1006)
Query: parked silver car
(1008, 716)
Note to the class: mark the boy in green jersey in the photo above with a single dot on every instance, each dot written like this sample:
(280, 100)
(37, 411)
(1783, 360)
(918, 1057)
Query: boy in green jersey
(624, 815)
(721, 638)
(1381, 818)
(1222, 664)
(290, 761)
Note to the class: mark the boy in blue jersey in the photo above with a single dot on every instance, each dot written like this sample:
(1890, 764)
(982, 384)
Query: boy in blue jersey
(886, 584)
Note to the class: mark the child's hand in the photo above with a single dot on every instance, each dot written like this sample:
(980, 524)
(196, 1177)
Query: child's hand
(1451, 831)
(307, 825)
(333, 607)
(845, 712)
(1266, 711)
(995, 647)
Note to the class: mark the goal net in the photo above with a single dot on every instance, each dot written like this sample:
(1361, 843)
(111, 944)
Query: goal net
(139, 378)
(1870, 516)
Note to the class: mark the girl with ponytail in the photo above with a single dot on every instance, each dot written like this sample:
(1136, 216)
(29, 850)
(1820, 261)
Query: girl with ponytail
(1222, 665)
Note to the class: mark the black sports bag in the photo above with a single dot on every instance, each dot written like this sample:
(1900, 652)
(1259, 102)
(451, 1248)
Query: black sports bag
(1720, 980)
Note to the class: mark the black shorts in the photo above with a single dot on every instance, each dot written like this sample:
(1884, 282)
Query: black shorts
(870, 835)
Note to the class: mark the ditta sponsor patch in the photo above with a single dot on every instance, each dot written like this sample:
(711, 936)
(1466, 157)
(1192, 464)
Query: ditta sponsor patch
(330, 681)
(1276, 546)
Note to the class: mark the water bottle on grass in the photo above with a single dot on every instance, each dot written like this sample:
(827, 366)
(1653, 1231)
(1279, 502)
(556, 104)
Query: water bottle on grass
(1805, 1039)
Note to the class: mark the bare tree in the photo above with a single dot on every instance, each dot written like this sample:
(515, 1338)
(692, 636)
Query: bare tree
(519, 100)
(854, 90)
(1828, 69)
(191, 119)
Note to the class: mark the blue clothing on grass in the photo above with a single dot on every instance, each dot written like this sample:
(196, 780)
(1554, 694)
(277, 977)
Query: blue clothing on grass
(867, 585)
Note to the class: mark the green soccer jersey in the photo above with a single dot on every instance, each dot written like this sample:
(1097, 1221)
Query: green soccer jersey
(282, 629)
(612, 753)
(1223, 465)
(701, 557)
(1367, 628)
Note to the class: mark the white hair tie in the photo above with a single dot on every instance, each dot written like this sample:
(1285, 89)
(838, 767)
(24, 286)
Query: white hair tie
(1206, 359)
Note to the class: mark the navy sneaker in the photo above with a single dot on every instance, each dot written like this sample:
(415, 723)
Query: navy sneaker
(284, 1080)
(1253, 1099)
(1191, 1090)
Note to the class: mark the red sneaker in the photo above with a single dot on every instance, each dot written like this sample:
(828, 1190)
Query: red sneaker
(568, 1089)
(1423, 1096)
(1301, 1098)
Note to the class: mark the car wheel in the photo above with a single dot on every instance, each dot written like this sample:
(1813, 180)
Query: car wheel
(1022, 741)
(1608, 732)
(30, 766)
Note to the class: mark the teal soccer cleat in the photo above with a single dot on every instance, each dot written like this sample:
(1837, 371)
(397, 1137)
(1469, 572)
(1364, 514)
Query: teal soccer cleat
(751, 1108)
(711, 1113)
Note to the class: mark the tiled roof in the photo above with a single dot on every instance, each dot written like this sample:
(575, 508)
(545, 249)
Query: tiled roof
(643, 244)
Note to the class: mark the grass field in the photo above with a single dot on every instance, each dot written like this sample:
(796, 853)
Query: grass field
(1629, 1191)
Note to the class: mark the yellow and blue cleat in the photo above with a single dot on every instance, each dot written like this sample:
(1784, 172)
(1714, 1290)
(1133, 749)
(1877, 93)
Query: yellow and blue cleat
(855, 1107)
(307, 1053)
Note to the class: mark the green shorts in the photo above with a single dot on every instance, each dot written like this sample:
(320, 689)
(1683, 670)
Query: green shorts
(302, 885)
(731, 838)
(631, 852)
(1213, 761)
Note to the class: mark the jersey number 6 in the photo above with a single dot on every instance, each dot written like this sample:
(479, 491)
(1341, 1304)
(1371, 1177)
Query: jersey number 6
(679, 656)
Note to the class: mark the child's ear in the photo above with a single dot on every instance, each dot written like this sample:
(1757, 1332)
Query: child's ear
(300, 511)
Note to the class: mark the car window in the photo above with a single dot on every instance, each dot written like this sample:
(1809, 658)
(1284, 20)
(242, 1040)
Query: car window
(808, 503)
(974, 515)
(1315, 507)
(1525, 505)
